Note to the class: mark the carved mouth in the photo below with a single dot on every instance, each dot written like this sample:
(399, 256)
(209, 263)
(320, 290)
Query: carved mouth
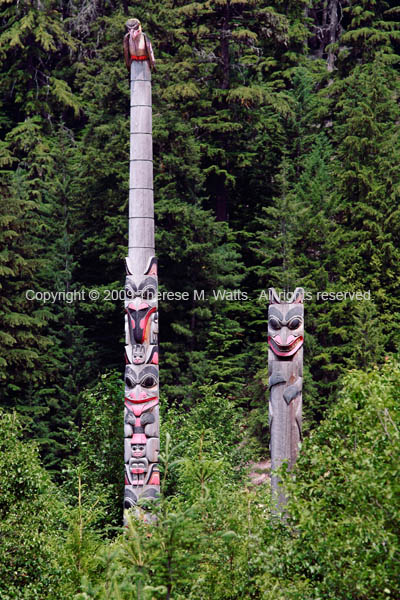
(289, 350)
(140, 400)
(140, 407)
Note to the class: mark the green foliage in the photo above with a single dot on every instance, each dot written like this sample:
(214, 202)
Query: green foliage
(270, 169)
(47, 545)
(98, 454)
(32, 518)
(212, 429)
(23, 339)
(371, 26)
(215, 538)
(344, 496)
(82, 539)
(366, 173)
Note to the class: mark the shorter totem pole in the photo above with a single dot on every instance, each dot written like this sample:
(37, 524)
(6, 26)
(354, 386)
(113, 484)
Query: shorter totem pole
(285, 370)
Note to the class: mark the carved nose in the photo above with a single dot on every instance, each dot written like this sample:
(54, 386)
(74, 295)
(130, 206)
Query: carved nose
(137, 394)
(285, 338)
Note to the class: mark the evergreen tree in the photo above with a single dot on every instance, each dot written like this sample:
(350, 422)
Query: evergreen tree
(38, 377)
(24, 342)
(270, 169)
(366, 172)
(370, 26)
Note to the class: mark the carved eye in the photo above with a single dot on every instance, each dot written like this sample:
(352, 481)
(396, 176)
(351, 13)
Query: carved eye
(149, 381)
(129, 381)
(274, 323)
(294, 323)
(148, 293)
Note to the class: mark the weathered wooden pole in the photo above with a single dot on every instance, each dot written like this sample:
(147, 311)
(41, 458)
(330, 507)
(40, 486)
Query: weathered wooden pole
(285, 370)
(141, 420)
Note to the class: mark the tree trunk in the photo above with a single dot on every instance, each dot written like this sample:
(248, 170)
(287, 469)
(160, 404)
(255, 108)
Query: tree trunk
(333, 25)
(325, 16)
(225, 33)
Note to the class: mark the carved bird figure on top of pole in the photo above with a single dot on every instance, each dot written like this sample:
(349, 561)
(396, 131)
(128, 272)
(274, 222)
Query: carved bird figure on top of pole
(137, 45)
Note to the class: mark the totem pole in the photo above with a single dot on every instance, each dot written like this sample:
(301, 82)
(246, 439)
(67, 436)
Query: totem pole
(285, 370)
(141, 420)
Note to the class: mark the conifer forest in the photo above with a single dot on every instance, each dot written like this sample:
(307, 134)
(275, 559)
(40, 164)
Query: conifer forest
(276, 157)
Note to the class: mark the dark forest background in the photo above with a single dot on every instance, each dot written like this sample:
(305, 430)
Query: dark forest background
(277, 163)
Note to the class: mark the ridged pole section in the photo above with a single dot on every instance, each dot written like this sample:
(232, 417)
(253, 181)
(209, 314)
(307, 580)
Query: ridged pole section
(141, 414)
(141, 204)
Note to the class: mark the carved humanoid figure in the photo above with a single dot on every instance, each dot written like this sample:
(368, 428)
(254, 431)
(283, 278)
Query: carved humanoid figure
(137, 45)
(285, 370)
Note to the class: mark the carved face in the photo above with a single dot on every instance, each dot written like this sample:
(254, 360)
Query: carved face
(138, 354)
(133, 25)
(139, 322)
(141, 385)
(145, 289)
(142, 286)
(141, 306)
(138, 450)
(285, 328)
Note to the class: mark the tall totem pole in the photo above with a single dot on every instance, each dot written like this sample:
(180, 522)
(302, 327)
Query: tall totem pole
(285, 370)
(141, 420)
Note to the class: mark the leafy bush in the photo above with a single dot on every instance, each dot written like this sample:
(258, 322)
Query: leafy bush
(31, 520)
(212, 428)
(98, 459)
(213, 535)
(344, 499)
(217, 538)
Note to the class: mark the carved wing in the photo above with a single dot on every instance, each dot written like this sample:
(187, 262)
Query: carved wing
(150, 52)
(126, 52)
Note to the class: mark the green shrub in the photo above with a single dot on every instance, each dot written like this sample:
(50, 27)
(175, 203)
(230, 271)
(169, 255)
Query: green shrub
(345, 498)
(98, 448)
(215, 537)
(31, 520)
